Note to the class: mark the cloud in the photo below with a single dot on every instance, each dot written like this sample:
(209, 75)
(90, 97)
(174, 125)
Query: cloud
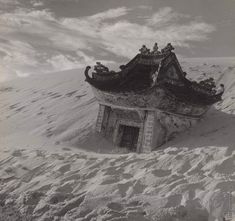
(65, 62)
(164, 16)
(34, 41)
(123, 37)
(16, 57)
(62, 62)
(109, 14)
(9, 2)
(145, 7)
(36, 3)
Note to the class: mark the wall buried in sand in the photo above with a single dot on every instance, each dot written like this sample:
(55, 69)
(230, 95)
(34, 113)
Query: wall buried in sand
(139, 130)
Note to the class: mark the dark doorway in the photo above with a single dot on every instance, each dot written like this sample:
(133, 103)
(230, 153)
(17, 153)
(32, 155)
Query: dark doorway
(129, 137)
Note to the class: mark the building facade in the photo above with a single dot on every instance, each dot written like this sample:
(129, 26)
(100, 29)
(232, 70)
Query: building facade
(149, 100)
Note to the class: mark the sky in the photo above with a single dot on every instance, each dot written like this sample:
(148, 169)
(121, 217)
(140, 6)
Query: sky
(42, 36)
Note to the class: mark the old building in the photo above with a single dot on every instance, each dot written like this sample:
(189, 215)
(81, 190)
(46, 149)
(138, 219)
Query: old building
(149, 100)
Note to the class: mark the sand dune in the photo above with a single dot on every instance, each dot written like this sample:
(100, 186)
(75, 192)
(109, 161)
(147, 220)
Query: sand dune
(53, 166)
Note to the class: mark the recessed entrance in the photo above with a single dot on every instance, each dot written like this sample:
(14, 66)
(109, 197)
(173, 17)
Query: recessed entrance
(129, 137)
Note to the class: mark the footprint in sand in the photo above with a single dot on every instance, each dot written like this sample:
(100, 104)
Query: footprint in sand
(149, 164)
(116, 170)
(80, 96)
(124, 187)
(33, 173)
(226, 166)
(9, 170)
(110, 180)
(91, 174)
(125, 212)
(71, 93)
(174, 200)
(56, 197)
(13, 106)
(138, 188)
(40, 153)
(31, 197)
(35, 100)
(44, 188)
(49, 133)
(17, 153)
(74, 203)
(115, 206)
(56, 96)
(72, 177)
(127, 175)
(65, 168)
(20, 109)
(6, 89)
(111, 215)
(57, 156)
(161, 173)
(66, 187)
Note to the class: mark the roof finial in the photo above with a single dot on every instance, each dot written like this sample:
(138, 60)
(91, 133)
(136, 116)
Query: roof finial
(167, 49)
(144, 50)
(155, 49)
(100, 68)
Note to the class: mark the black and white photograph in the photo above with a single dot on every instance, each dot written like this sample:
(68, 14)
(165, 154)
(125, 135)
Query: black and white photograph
(117, 110)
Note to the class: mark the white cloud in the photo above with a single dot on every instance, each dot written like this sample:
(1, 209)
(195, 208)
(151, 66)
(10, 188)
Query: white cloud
(145, 7)
(123, 37)
(7, 4)
(17, 56)
(86, 59)
(22, 73)
(26, 21)
(8, 1)
(194, 31)
(58, 38)
(109, 14)
(36, 3)
(62, 62)
(163, 16)
(19, 53)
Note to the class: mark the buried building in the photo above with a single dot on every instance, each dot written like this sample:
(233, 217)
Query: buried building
(149, 100)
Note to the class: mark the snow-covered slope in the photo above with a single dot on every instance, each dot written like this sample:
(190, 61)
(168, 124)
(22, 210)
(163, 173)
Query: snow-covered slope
(53, 166)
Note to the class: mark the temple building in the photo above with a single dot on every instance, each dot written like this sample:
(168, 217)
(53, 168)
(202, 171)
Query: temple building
(149, 100)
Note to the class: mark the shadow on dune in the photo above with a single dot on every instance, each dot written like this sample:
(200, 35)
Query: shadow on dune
(215, 129)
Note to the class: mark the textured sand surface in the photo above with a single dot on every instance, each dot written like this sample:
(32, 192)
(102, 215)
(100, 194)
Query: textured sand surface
(53, 166)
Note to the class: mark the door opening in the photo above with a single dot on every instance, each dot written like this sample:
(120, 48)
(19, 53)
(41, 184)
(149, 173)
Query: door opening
(129, 137)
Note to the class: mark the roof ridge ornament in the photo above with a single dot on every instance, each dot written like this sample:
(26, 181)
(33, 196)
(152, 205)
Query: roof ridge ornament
(137, 75)
(155, 51)
(100, 68)
(144, 50)
(167, 49)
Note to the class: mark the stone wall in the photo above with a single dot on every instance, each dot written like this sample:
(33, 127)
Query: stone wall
(154, 98)
(167, 126)
(156, 127)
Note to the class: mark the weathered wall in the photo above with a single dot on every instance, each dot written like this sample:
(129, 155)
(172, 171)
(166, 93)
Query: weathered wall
(155, 127)
(154, 98)
(167, 126)
(148, 134)
(100, 118)
(159, 132)
(114, 117)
